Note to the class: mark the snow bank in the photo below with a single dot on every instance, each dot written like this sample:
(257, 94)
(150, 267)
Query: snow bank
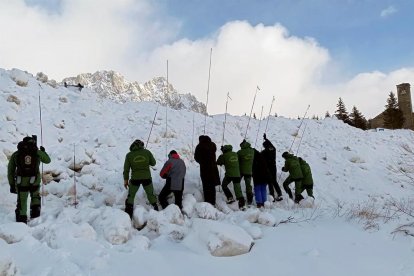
(113, 224)
(13, 232)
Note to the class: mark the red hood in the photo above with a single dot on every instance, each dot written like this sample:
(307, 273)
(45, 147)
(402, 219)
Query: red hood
(175, 156)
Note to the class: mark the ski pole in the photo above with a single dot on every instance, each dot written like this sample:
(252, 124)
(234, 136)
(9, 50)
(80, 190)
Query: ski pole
(153, 121)
(41, 143)
(208, 90)
(257, 135)
(251, 110)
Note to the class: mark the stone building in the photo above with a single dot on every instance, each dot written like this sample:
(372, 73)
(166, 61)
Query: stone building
(405, 104)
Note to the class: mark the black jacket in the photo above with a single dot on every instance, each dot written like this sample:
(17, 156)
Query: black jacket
(205, 155)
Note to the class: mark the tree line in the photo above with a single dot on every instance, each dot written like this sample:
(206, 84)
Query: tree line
(392, 115)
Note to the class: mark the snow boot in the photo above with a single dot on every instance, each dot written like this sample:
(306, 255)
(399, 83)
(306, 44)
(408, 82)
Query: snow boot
(21, 219)
(279, 198)
(230, 200)
(249, 199)
(34, 211)
(155, 206)
(242, 203)
(129, 209)
(298, 198)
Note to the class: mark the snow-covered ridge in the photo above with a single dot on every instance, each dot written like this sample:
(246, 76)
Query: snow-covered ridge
(112, 85)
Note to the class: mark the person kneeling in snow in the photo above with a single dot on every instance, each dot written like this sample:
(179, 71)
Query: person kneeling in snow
(174, 172)
(138, 161)
(24, 176)
(230, 161)
(295, 175)
(307, 181)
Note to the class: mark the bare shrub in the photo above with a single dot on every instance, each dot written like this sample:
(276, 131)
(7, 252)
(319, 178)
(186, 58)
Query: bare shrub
(21, 83)
(40, 76)
(13, 99)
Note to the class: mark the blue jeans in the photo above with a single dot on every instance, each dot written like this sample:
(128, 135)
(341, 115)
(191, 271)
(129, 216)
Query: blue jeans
(260, 193)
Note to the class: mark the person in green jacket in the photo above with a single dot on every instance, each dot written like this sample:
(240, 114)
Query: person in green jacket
(24, 177)
(295, 175)
(138, 161)
(307, 181)
(246, 155)
(230, 161)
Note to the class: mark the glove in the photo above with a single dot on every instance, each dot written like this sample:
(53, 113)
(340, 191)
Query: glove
(264, 136)
(42, 148)
(126, 184)
(13, 189)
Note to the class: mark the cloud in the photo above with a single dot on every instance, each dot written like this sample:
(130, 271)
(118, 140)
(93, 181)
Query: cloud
(388, 11)
(136, 38)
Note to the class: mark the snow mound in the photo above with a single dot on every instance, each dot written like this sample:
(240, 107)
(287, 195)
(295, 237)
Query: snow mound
(7, 265)
(113, 224)
(169, 222)
(223, 239)
(13, 232)
(266, 219)
(139, 217)
(205, 210)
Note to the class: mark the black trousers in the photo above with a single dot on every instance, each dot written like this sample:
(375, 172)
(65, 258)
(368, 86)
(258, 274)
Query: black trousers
(166, 191)
(274, 186)
(209, 191)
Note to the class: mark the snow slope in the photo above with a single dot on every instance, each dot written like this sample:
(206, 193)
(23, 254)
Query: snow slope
(351, 168)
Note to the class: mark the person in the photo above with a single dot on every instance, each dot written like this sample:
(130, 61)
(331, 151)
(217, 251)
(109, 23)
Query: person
(269, 154)
(246, 155)
(138, 161)
(261, 177)
(24, 177)
(307, 181)
(230, 161)
(295, 175)
(205, 155)
(174, 172)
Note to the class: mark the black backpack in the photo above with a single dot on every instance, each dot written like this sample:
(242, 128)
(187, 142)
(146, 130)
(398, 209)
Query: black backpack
(27, 159)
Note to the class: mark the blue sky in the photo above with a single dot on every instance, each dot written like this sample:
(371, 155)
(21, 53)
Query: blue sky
(300, 51)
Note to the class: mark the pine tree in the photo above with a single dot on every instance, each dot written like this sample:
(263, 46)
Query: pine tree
(393, 116)
(357, 119)
(341, 112)
(327, 115)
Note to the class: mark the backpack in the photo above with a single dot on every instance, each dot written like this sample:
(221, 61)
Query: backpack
(27, 159)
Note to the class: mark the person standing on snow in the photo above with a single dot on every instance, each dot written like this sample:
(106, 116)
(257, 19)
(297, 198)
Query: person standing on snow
(307, 181)
(174, 172)
(269, 154)
(261, 177)
(295, 175)
(230, 161)
(205, 155)
(246, 155)
(24, 177)
(138, 161)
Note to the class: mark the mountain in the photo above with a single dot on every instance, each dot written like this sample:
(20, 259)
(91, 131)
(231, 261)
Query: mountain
(112, 85)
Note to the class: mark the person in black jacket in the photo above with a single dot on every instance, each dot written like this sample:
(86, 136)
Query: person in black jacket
(261, 177)
(269, 154)
(205, 155)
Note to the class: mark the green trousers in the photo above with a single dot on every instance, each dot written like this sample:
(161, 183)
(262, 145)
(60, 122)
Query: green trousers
(236, 185)
(134, 185)
(23, 190)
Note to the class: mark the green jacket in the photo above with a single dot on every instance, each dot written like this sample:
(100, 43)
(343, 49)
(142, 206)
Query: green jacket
(138, 161)
(293, 167)
(246, 155)
(12, 166)
(230, 161)
(307, 173)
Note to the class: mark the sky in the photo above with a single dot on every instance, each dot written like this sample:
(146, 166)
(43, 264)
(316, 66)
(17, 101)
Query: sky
(300, 52)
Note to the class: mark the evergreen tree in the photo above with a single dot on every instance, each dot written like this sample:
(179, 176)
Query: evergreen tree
(341, 112)
(327, 115)
(393, 116)
(357, 119)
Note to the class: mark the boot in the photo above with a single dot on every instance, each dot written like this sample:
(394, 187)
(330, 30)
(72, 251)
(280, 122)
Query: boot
(298, 198)
(155, 206)
(241, 203)
(34, 212)
(21, 219)
(129, 209)
(279, 198)
(249, 199)
(230, 200)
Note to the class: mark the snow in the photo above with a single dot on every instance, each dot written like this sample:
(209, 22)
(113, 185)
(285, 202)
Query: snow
(355, 172)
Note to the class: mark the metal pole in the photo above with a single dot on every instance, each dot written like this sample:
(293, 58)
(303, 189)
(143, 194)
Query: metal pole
(74, 176)
(251, 110)
(192, 138)
(260, 122)
(225, 118)
(153, 121)
(208, 90)
(166, 117)
(301, 137)
(299, 128)
(267, 122)
(41, 143)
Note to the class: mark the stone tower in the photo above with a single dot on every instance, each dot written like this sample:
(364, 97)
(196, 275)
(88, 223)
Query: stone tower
(404, 102)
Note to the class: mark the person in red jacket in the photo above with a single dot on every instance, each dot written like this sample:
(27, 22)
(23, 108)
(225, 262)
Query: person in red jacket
(174, 172)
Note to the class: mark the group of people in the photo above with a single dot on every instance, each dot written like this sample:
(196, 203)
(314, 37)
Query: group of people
(246, 164)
